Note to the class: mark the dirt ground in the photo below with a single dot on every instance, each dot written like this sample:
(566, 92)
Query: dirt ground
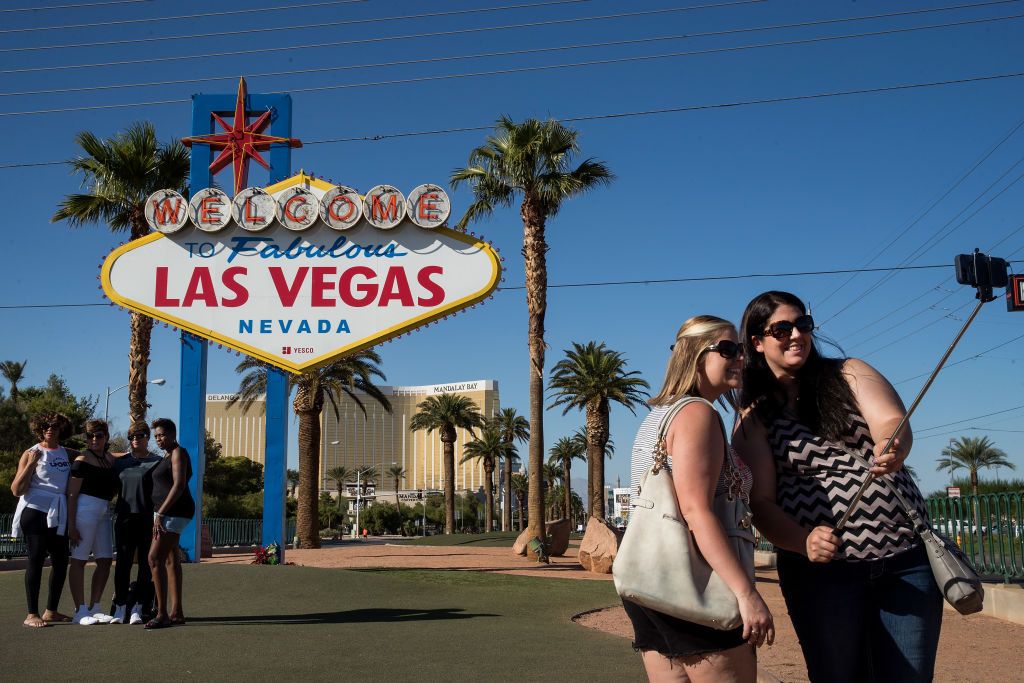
(975, 648)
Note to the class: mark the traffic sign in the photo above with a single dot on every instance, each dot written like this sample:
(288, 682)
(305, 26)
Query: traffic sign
(1015, 293)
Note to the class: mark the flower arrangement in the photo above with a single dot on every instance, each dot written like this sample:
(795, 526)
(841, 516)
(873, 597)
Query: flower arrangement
(267, 555)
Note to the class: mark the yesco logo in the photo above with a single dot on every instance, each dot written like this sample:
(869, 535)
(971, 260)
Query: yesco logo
(298, 208)
(302, 271)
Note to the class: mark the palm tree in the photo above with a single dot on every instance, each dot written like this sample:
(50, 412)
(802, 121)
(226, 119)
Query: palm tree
(580, 436)
(13, 372)
(553, 474)
(488, 448)
(532, 160)
(513, 428)
(972, 454)
(341, 476)
(293, 481)
(445, 413)
(397, 474)
(349, 375)
(365, 475)
(565, 450)
(119, 174)
(521, 486)
(589, 378)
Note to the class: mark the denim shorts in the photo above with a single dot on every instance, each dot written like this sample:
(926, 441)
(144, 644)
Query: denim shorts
(174, 525)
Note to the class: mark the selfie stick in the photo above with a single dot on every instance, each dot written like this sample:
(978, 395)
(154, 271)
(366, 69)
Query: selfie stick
(867, 482)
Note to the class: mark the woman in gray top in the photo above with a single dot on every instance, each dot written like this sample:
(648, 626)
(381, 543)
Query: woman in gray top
(133, 528)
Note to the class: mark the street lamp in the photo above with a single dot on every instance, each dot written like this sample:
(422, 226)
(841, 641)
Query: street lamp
(106, 408)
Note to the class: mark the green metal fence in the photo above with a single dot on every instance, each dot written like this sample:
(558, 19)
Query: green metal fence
(988, 527)
(225, 532)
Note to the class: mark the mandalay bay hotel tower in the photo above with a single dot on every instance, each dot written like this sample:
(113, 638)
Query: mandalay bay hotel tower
(376, 438)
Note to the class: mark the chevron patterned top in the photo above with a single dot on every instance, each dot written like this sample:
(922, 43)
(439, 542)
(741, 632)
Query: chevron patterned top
(816, 479)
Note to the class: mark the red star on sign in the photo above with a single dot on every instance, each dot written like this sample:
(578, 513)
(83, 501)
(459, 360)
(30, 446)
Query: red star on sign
(240, 141)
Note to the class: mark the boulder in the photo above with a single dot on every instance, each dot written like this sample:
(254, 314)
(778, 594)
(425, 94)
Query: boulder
(519, 547)
(599, 545)
(558, 537)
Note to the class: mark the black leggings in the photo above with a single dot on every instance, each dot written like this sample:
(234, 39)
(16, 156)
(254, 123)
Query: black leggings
(134, 534)
(43, 541)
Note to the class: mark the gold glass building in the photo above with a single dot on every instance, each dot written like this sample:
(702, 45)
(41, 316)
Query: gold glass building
(240, 434)
(381, 439)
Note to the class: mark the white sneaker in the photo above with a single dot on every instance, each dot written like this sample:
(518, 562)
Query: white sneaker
(136, 617)
(100, 616)
(119, 614)
(83, 617)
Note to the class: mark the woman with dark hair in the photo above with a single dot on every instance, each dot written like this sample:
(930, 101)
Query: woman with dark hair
(92, 486)
(133, 527)
(42, 513)
(863, 600)
(173, 509)
(706, 365)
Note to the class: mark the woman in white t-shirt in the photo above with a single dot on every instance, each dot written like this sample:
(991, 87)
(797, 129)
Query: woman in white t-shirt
(42, 514)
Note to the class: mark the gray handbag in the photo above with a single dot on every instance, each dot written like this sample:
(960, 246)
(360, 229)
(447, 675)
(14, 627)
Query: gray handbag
(658, 564)
(959, 584)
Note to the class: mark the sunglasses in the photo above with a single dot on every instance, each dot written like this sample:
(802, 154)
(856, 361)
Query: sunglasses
(140, 435)
(783, 329)
(97, 435)
(727, 349)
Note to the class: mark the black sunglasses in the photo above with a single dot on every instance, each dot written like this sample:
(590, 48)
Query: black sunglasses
(783, 329)
(140, 435)
(96, 435)
(726, 348)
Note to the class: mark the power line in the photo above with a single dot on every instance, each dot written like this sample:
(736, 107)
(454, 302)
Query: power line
(84, 4)
(970, 419)
(622, 115)
(970, 358)
(204, 15)
(324, 24)
(508, 53)
(536, 24)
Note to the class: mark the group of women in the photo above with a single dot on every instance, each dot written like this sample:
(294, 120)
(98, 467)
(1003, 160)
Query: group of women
(73, 504)
(808, 431)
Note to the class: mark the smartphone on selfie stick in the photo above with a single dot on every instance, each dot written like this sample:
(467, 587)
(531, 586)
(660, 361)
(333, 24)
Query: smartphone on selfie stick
(984, 273)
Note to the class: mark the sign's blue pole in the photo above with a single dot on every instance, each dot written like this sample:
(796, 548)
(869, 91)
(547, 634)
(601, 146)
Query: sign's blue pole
(192, 432)
(192, 406)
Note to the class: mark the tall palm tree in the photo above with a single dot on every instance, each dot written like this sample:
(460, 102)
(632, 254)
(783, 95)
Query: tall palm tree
(293, 481)
(365, 475)
(513, 427)
(553, 476)
(445, 413)
(13, 372)
(565, 450)
(353, 376)
(341, 476)
(972, 454)
(590, 378)
(532, 161)
(580, 436)
(119, 174)
(397, 474)
(488, 448)
(521, 487)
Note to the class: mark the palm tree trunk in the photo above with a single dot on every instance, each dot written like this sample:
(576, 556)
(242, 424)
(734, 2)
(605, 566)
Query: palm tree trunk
(568, 489)
(307, 523)
(448, 451)
(506, 513)
(535, 260)
(597, 440)
(138, 365)
(489, 494)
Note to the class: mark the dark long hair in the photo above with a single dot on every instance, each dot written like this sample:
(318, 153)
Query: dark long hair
(825, 397)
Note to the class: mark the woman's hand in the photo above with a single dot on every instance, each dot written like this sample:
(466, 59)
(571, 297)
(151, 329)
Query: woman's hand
(758, 625)
(891, 460)
(73, 535)
(822, 544)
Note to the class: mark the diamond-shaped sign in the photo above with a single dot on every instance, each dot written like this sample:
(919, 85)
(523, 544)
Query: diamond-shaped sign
(293, 296)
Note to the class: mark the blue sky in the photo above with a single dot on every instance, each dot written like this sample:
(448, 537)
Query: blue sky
(805, 185)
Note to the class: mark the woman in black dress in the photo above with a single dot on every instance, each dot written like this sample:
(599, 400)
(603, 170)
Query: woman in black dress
(173, 510)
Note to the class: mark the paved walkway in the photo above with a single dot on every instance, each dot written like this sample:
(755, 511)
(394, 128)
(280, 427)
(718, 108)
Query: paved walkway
(974, 648)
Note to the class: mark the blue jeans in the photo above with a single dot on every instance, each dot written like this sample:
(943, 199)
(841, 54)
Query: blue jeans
(873, 621)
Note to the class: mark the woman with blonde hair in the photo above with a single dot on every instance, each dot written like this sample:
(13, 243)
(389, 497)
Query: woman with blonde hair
(706, 364)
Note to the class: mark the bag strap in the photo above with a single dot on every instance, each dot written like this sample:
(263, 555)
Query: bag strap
(661, 449)
(908, 509)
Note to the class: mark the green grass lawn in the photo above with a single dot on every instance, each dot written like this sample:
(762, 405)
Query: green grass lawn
(257, 622)
(496, 539)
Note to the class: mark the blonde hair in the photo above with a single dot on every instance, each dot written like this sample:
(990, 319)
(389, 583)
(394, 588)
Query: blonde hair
(695, 335)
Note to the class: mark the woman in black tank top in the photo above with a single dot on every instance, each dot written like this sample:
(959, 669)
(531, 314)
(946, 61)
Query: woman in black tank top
(173, 508)
(863, 601)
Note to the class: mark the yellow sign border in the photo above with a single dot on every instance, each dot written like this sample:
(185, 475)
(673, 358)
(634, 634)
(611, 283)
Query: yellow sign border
(324, 359)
